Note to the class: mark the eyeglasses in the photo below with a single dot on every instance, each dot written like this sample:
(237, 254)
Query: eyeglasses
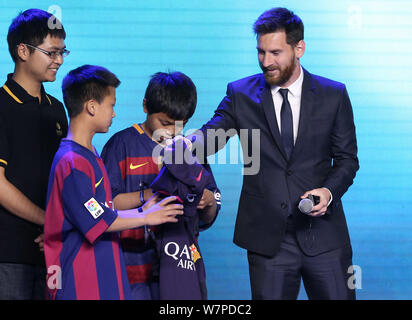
(52, 54)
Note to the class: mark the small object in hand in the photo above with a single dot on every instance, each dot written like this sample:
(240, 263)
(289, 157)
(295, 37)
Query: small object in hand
(306, 205)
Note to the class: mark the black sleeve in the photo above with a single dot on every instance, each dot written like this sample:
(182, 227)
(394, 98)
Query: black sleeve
(4, 144)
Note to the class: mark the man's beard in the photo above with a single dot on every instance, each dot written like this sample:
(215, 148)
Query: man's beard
(284, 75)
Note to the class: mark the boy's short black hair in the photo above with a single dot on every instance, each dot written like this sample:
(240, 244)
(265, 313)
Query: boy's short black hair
(32, 27)
(171, 93)
(280, 19)
(85, 83)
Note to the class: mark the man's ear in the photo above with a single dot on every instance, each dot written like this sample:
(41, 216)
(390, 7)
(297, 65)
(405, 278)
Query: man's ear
(144, 105)
(23, 52)
(300, 49)
(90, 106)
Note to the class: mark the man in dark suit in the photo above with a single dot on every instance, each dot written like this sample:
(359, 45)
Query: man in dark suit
(307, 145)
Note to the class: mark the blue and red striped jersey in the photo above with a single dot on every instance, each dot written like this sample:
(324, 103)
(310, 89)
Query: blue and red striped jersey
(88, 261)
(130, 166)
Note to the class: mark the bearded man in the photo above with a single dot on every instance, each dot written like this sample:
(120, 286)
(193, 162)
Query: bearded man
(307, 146)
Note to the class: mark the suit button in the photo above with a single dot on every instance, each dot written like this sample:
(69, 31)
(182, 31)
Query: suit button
(284, 205)
(289, 172)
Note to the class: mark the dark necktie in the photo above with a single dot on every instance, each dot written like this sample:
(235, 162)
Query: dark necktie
(286, 123)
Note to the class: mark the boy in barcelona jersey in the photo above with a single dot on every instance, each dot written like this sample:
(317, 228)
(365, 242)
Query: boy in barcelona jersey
(82, 249)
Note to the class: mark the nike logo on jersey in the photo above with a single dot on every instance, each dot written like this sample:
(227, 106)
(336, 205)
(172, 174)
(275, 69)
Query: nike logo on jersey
(132, 167)
(199, 176)
(97, 184)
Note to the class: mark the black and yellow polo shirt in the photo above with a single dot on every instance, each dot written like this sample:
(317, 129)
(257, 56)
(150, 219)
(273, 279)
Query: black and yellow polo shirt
(30, 134)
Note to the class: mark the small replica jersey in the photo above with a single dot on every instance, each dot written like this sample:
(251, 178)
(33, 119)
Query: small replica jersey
(130, 166)
(181, 267)
(83, 261)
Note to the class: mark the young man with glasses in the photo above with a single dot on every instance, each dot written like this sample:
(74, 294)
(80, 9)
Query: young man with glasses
(32, 124)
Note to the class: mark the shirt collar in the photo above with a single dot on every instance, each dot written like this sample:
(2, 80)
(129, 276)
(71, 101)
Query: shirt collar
(19, 94)
(295, 88)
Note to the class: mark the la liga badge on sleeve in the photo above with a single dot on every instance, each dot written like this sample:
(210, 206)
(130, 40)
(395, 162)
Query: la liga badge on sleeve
(94, 208)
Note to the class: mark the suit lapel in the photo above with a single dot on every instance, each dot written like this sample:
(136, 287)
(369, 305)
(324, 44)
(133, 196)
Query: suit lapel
(306, 105)
(266, 101)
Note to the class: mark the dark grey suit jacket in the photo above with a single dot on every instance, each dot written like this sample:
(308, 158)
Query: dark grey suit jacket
(325, 155)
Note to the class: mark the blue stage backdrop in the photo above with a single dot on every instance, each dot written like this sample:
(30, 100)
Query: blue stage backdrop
(365, 44)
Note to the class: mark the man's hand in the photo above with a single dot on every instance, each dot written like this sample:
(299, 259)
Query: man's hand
(207, 200)
(40, 241)
(324, 197)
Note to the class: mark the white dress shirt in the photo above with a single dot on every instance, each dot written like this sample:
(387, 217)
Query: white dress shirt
(294, 95)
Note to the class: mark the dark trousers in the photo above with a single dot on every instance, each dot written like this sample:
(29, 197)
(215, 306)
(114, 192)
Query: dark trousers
(325, 276)
(22, 282)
